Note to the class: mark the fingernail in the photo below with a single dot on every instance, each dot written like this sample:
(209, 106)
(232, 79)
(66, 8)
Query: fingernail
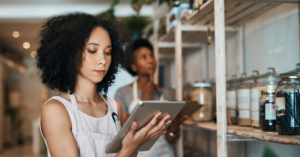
(134, 124)
(159, 113)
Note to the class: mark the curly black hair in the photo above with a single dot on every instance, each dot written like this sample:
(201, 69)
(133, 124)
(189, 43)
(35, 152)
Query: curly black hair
(136, 44)
(62, 41)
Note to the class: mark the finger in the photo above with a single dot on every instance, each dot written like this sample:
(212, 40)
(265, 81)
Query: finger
(163, 122)
(158, 129)
(153, 122)
(183, 118)
(133, 128)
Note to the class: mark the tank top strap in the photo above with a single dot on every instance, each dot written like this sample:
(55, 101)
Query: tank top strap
(76, 110)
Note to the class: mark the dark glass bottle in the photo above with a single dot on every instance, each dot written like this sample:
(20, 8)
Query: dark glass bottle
(267, 111)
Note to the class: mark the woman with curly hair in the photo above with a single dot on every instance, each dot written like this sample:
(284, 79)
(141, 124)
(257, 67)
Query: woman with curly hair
(79, 55)
(143, 65)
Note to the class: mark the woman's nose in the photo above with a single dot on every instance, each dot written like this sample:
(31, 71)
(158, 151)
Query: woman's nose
(101, 59)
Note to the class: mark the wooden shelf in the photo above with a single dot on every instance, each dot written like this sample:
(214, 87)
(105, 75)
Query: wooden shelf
(249, 133)
(236, 12)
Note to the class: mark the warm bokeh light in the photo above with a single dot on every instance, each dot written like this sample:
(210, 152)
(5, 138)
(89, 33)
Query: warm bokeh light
(10, 63)
(26, 45)
(16, 34)
(33, 54)
(22, 69)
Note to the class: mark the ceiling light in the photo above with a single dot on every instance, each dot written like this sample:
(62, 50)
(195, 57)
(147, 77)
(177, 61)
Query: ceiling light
(15, 34)
(22, 69)
(26, 45)
(33, 54)
(10, 63)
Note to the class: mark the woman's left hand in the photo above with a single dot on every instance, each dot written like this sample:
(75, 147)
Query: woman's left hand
(174, 129)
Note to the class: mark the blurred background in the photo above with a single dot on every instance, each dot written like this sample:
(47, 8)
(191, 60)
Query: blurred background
(268, 39)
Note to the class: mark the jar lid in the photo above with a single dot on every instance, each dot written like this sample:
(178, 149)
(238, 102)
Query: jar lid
(202, 85)
(270, 76)
(249, 79)
(268, 91)
(295, 72)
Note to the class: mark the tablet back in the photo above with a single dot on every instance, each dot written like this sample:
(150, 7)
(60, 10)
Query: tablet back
(142, 114)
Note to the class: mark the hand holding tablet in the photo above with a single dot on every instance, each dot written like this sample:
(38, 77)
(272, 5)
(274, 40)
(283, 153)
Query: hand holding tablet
(149, 119)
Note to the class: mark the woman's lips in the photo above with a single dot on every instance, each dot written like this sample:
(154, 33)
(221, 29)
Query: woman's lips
(100, 72)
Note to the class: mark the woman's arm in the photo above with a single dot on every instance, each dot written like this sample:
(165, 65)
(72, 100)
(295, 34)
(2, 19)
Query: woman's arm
(56, 127)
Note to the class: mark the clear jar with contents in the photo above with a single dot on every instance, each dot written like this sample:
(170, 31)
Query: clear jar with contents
(288, 103)
(267, 111)
(203, 95)
(232, 86)
(267, 81)
(243, 99)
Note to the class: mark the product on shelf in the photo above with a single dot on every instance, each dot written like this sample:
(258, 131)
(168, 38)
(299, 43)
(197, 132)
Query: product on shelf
(267, 81)
(243, 98)
(267, 111)
(287, 103)
(203, 95)
(232, 86)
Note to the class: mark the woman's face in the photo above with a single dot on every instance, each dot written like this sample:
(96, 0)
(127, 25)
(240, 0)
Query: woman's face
(96, 56)
(145, 63)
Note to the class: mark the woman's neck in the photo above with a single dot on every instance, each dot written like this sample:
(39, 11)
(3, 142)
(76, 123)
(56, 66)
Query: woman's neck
(142, 80)
(86, 91)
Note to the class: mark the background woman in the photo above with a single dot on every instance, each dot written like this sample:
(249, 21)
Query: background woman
(143, 65)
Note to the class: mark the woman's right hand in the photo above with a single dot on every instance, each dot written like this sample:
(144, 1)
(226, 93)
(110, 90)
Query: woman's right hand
(133, 140)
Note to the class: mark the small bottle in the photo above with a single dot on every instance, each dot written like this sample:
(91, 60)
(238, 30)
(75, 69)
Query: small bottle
(267, 111)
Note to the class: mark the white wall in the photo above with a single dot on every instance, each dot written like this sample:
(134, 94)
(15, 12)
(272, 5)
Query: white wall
(123, 78)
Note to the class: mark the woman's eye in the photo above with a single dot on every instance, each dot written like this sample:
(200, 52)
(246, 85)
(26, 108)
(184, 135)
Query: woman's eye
(143, 57)
(90, 51)
(108, 53)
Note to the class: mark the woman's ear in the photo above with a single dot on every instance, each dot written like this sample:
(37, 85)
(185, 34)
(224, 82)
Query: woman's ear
(83, 56)
(134, 67)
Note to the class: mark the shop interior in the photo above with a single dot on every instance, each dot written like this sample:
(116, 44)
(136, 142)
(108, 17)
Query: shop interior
(245, 69)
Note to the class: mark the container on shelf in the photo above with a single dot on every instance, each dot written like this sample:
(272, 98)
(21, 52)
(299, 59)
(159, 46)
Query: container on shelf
(287, 103)
(267, 111)
(203, 95)
(231, 90)
(243, 98)
(267, 81)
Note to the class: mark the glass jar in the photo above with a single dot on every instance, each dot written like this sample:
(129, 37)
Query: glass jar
(203, 95)
(267, 81)
(287, 103)
(267, 111)
(243, 98)
(232, 86)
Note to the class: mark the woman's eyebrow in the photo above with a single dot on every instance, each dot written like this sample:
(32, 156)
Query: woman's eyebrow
(109, 46)
(95, 44)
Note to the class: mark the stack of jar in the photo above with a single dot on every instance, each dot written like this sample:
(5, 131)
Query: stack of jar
(243, 98)
(232, 86)
(203, 95)
(265, 85)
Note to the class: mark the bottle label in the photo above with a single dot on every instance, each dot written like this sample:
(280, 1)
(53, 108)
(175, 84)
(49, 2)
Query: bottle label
(254, 115)
(254, 100)
(232, 113)
(243, 99)
(280, 106)
(270, 112)
(244, 114)
(231, 99)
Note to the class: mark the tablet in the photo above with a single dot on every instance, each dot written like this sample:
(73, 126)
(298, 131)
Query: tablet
(190, 108)
(143, 114)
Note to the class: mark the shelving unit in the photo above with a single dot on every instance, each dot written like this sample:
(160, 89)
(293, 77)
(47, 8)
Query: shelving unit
(240, 133)
(225, 16)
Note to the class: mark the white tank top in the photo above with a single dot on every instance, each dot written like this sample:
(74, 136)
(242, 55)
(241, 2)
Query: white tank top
(103, 125)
